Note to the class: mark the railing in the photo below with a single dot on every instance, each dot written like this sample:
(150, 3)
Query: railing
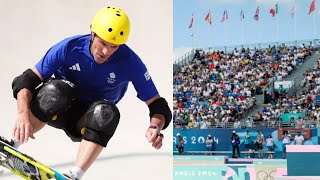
(219, 152)
(263, 124)
(185, 59)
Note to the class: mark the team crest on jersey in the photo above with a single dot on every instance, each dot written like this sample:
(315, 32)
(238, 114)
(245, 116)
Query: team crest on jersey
(147, 76)
(112, 78)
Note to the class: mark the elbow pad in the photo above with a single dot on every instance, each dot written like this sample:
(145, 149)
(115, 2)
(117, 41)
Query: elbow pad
(28, 79)
(160, 106)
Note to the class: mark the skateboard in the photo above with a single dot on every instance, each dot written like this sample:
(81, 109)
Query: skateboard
(25, 166)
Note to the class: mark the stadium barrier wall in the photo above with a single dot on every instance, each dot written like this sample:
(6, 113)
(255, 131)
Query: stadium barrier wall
(194, 139)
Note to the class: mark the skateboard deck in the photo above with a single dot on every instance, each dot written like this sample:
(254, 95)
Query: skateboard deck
(25, 166)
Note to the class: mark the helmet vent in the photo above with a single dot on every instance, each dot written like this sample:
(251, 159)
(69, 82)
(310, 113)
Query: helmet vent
(118, 14)
(108, 7)
(121, 33)
(110, 29)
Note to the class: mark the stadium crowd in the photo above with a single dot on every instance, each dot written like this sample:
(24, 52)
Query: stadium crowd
(304, 102)
(216, 88)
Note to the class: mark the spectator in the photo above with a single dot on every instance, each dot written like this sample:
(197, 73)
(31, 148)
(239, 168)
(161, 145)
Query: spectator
(226, 84)
(197, 55)
(209, 145)
(259, 144)
(270, 146)
(285, 141)
(247, 143)
(237, 124)
(180, 144)
(299, 139)
(249, 122)
(281, 91)
(235, 140)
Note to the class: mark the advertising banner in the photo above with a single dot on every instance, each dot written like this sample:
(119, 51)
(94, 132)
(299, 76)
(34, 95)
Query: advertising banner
(194, 139)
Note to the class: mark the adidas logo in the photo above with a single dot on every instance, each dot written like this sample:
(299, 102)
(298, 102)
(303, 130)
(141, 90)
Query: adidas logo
(75, 67)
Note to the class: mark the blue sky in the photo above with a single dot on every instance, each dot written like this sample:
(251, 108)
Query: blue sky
(236, 32)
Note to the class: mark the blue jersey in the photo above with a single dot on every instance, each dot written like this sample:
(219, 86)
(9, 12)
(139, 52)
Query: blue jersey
(71, 59)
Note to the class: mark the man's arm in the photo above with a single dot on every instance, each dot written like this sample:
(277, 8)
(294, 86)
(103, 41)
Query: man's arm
(160, 113)
(160, 118)
(23, 88)
(24, 91)
(157, 119)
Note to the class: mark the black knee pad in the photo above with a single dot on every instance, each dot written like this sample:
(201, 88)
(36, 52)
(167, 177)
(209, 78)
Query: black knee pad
(102, 121)
(53, 98)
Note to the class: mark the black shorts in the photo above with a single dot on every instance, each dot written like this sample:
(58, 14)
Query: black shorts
(259, 146)
(69, 120)
(181, 149)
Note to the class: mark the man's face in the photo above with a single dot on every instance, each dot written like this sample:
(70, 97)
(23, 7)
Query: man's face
(101, 50)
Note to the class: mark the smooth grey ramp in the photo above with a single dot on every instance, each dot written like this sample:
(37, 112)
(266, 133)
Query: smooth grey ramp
(30, 28)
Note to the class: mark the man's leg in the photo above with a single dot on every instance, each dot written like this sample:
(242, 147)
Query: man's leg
(247, 152)
(238, 151)
(233, 151)
(36, 124)
(100, 122)
(87, 154)
(53, 99)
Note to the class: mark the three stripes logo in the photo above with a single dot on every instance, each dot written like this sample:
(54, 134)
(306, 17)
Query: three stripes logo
(75, 67)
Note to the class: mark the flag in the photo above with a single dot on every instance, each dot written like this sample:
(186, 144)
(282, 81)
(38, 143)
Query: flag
(190, 26)
(241, 15)
(224, 16)
(274, 11)
(208, 17)
(312, 6)
(293, 11)
(256, 15)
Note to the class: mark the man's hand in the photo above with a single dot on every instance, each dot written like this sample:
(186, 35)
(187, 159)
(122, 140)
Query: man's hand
(23, 130)
(154, 136)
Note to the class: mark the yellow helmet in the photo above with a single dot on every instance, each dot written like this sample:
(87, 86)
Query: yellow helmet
(112, 25)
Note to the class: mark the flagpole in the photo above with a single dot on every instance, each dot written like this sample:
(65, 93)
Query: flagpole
(226, 29)
(242, 30)
(314, 24)
(260, 35)
(259, 24)
(277, 22)
(192, 40)
(194, 31)
(295, 21)
(211, 32)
